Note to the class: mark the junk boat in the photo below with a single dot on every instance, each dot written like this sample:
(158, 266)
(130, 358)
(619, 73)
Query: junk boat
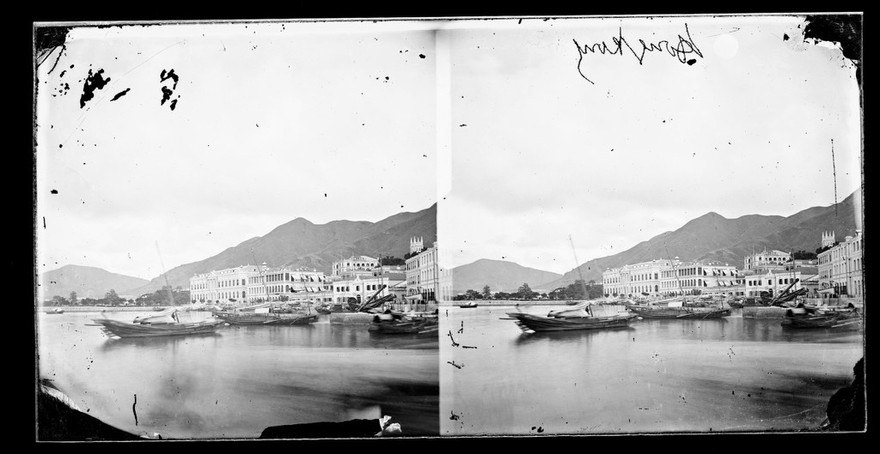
(164, 324)
(585, 316)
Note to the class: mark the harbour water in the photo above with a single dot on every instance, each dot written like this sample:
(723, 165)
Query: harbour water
(732, 374)
(242, 379)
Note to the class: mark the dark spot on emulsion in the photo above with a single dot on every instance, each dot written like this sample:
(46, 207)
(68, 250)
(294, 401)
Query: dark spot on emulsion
(173, 104)
(692, 61)
(54, 191)
(120, 94)
(166, 95)
(421, 55)
(93, 82)
(785, 36)
(163, 76)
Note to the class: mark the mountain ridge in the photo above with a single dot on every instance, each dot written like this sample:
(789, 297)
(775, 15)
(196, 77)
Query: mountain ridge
(712, 237)
(302, 243)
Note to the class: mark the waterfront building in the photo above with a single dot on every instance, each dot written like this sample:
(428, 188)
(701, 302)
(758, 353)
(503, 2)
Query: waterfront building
(285, 284)
(841, 265)
(221, 286)
(774, 282)
(766, 260)
(422, 272)
(671, 277)
(643, 278)
(702, 277)
(362, 288)
(356, 265)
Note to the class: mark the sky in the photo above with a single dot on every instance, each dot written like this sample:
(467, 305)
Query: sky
(273, 121)
(526, 143)
(550, 170)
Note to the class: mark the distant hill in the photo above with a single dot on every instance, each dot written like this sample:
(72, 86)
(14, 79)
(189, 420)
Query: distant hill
(713, 237)
(87, 282)
(301, 243)
(499, 275)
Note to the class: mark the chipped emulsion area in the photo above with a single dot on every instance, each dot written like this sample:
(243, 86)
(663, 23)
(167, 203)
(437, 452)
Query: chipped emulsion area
(843, 29)
(168, 92)
(120, 94)
(94, 81)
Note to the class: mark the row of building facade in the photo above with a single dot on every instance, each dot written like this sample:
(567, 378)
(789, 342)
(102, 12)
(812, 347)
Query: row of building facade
(420, 280)
(836, 272)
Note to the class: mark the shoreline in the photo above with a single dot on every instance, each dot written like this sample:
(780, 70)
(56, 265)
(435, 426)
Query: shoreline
(44, 309)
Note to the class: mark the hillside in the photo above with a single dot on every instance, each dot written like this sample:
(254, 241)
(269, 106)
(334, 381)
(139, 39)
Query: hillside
(301, 243)
(499, 275)
(712, 237)
(87, 282)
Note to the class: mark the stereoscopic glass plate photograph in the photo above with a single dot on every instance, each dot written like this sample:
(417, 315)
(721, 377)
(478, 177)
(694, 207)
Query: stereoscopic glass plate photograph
(448, 227)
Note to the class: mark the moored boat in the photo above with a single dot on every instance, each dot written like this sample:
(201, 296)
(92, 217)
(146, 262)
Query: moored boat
(538, 323)
(582, 318)
(469, 305)
(681, 312)
(390, 322)
(803, 317)
(56, 310)
(155, 326)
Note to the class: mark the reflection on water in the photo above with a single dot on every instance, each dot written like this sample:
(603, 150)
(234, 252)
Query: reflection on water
(730, 374)
(241, 379)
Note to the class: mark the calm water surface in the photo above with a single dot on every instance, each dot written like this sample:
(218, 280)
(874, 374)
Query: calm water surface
(731, 374)
(237, 382)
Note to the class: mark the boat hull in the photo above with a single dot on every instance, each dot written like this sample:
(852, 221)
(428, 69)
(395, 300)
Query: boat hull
(680, 313)
(538, 323)
(418, 326)
(268, 319)
(123, 329)
(822, 321)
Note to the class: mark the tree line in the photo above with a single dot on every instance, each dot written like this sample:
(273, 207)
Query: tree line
(160, 297)
(578, 290)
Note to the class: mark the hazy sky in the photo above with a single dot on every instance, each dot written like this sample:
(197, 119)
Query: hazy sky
(274, 121)
(541, 153)
(494, 119)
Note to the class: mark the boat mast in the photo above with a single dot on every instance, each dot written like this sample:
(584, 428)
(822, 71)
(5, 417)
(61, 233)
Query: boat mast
(580, 273)
(167, 284)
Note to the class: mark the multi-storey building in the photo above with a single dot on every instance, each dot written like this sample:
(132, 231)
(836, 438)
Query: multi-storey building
(671, 277)
(356, 265)
(766, 260)
(221, 286)
(841, 266)
(422, 272)
(362, 288)
(288, 284)
(774, 282)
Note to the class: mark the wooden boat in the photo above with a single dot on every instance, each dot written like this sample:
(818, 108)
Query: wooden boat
(390, 322)
(419, 325)
(808, 318)
(271, 318)
(530, 322)
(56, 310)
(682, 312)
(124, 329)
(468, 305)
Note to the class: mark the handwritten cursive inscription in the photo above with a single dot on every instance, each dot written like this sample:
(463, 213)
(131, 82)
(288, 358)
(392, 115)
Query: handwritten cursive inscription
(680, 51)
